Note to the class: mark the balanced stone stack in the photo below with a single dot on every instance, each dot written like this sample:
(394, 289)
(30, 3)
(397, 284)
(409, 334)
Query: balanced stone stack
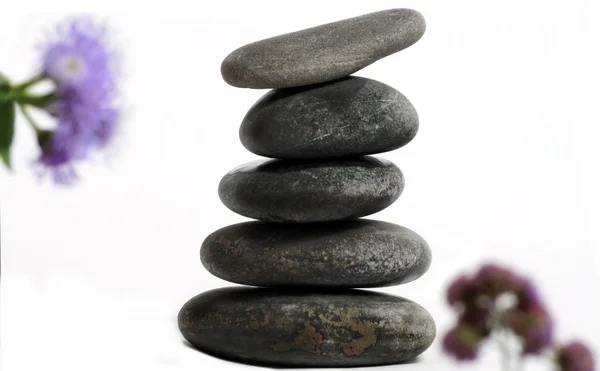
(309, 248)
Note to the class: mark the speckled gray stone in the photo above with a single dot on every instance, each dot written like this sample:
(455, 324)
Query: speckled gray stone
(322, 53)
(349, 117)
(356, 253)
(316, 191)
(307, 328)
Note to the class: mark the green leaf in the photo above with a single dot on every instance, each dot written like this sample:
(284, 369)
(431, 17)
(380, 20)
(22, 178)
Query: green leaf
(5, 88)
(4, 83)
(7, 120)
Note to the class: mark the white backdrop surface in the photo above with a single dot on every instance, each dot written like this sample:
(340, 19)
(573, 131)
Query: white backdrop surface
(504, 168)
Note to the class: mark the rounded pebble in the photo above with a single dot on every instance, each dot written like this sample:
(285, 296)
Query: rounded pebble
(306, 328)
(316, 191)
(357, 253)
(349, 117)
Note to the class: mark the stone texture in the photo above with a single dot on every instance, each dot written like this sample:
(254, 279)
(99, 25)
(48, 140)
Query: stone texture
(296, 191)
(349, 117)
(322, 53)
(357, 253)
(306, 328)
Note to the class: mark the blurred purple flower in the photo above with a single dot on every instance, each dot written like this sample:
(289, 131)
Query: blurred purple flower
(536, 329)
(80, 58)
(493, 280)
(457, 290)
(462, 343)
(528, 296)
(81, 65)
(478, 319)
(575, 356)
(538, 338)
(478, 301)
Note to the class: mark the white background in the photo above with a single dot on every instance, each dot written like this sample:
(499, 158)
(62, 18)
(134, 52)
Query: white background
(504, 168)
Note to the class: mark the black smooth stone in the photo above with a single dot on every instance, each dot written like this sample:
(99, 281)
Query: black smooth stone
(349, 117)
(295, 191)
(322, 53)
(295, 328)
(357, 253)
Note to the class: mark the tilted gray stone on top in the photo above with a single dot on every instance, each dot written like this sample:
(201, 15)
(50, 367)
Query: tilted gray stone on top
(322, 53)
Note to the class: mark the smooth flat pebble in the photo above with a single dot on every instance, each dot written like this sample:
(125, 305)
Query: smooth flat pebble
(311, 191)
(348, 117)
(322, 53)
(356, 253)
(306, 328)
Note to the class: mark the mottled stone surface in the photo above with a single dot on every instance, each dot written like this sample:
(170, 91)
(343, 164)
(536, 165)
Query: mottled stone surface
(349, 117)
(322, 53)
(295, 328)
(356, 253)
(300, 191)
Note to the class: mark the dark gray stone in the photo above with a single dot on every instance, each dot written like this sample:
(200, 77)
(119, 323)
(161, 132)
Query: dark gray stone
(302, 192)
(349, 117)
(295, 328)
(322, 53)
(357, 253)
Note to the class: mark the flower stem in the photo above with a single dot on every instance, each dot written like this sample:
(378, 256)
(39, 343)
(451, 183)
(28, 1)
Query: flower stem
(520, 364)
(29, 118)
(24, 86)
(504, 354)
(40, 101)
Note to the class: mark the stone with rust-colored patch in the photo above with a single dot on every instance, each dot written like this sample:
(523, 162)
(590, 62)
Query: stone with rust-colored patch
(308, 340)
(307, 327)
(365, 329)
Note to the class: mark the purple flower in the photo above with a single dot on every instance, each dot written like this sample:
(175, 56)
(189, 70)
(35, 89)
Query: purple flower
(575, 356)
(477, 319)
(493, 280)
(538, 338)
(457, 290)
(536, 329)
(80, 58)
(80, 63)
(528, 296)
(462, 343)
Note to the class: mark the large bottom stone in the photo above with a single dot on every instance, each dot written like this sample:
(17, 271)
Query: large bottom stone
(316, 328)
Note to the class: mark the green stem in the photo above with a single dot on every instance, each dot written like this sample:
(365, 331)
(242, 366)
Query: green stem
(40, 101)
(30, 118)
(504, 354)
(520, 364)
(24, 86)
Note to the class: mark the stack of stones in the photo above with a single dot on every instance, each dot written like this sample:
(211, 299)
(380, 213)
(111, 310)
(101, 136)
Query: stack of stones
(309, 248)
